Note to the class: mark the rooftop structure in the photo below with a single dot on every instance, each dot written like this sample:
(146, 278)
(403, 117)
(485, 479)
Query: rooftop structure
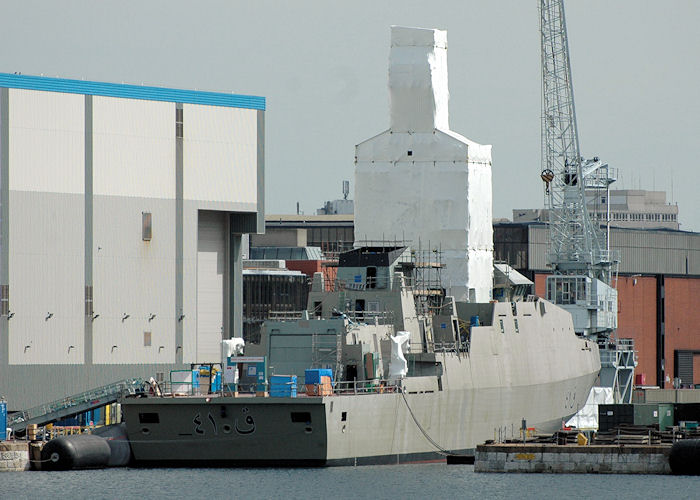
(629, 208)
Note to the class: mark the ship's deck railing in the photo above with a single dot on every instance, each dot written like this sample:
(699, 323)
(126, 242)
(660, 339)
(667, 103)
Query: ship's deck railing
(617, 345)
(375, 386)
(371, 283)
(445, 346)
(285, 315)
(183, 389)
(382, 317)
(617, 352)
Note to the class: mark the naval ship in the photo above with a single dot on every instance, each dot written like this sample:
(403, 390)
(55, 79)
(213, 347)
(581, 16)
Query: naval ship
(430, 352)
(416, 375)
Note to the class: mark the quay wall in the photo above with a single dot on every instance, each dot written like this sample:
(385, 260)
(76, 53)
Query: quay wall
(550, 458)
(14, 456)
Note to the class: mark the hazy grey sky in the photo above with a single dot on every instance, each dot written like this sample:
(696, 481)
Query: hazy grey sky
(322, 65)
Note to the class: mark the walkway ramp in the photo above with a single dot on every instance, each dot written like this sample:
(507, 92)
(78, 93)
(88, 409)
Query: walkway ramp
(73, 405)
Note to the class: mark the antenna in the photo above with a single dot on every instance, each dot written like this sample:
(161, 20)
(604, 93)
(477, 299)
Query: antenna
(346, 189)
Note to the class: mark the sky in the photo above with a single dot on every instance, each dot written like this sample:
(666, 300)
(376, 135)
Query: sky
(323, 65)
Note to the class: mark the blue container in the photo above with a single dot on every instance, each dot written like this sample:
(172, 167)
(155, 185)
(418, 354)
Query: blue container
(313, 375)
(216, 382)
(283, 386)
(474, 321)
(3, 420)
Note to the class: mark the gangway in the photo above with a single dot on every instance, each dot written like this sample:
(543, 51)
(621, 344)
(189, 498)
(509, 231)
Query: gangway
(73, 405)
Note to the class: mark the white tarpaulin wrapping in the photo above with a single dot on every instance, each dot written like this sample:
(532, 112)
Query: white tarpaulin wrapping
(398, 366)
(587, 417)
(422, 183)
(418, 92)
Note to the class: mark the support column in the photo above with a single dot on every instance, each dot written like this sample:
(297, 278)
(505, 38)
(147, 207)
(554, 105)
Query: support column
(236, 285)
(179, 266)
(4, 220)
(89, 311)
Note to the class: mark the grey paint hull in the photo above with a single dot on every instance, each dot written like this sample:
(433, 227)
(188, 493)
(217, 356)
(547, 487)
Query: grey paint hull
(341, 430)
(541, 372)
(378, 429)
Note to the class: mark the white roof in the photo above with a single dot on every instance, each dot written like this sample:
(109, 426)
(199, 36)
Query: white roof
(513, 276)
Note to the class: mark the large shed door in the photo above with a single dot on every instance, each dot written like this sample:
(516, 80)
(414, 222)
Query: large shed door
(211, 269)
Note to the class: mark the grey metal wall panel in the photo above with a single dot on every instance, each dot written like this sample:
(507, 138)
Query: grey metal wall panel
(26, 386)
(211, 283)
(46, 246)
(47, 142)
(537, 248)
(220, 155)
(643, 252)
(133, 280)
(47, 284)
(133, 148)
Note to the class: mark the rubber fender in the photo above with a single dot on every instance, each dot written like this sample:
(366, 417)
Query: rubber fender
(685, 457)
(118, 442)
(80, 451)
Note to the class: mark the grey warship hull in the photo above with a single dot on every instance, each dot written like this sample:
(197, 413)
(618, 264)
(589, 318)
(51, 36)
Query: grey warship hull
(542, 373)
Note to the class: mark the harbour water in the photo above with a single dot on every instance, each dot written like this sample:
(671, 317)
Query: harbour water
(380, 482)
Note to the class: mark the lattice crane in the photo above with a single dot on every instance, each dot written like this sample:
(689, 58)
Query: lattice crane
(579, 251)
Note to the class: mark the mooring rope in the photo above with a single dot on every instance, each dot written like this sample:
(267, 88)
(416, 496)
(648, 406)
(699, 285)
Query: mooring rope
(440, 449)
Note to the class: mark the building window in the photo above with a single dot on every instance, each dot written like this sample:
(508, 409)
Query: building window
(5, 300)
(89, 310)
(178, 123)
(147, 339)
(146, 226)
(371, 277)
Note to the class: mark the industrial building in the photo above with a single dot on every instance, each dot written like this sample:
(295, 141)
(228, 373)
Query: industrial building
(123, 210)
(630, 208)
(332, 233)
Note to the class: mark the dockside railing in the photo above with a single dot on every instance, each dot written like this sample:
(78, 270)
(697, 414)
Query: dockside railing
(73, 405)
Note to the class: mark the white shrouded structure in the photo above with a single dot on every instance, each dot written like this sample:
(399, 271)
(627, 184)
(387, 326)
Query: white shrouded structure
(421, 182)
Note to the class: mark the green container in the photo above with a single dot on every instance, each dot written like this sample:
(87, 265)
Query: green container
(665, 416)
(646, 414)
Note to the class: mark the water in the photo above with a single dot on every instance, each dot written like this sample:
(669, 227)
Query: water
(376, 482)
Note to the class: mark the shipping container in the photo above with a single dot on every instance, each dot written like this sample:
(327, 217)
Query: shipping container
(614, 415)
(646, 414)
(666, 416)
(3, 420)
(283, 386)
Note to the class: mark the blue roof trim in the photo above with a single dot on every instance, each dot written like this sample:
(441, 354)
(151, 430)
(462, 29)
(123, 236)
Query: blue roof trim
(29, 82)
